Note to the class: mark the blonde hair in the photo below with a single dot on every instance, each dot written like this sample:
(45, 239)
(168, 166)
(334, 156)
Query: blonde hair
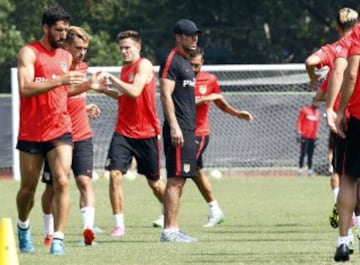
(347, 18)
(77, 32)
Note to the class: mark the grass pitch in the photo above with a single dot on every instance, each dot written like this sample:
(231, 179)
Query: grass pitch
(268, 221)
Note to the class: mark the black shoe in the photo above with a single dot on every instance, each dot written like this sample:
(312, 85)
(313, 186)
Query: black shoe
(342, 253)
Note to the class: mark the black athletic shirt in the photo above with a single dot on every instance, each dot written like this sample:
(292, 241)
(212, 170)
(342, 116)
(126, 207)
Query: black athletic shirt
(178, 68)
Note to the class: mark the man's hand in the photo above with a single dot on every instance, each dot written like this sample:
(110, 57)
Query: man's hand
(176, 135)
(244, 115)
(341, 124)
(330, 119)
(93, 111)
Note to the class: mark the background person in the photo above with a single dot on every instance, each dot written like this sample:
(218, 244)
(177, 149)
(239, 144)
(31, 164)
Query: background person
(307, 127)
(207, 90)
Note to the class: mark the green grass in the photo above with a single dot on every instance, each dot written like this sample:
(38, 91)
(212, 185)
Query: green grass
(268, 221)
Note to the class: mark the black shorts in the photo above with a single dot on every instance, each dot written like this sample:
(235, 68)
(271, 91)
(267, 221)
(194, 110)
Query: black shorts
(146, 152)
(332, 141)
(352, 149)
(82, 161)
(43, 147)
(201, 142)
(338, 154)
(180, 161)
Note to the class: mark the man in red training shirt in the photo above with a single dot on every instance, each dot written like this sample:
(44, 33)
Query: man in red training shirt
(307, 127)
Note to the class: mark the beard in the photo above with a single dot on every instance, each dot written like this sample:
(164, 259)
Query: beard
(56, 43)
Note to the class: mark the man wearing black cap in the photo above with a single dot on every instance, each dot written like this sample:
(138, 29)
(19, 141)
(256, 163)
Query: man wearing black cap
(177, 80)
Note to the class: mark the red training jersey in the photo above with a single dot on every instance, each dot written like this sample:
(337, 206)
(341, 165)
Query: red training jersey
(45, 117)
(77, 109)
(354, 103)
(307, 123)
(337, 49)
(137, 117)
(205, 84)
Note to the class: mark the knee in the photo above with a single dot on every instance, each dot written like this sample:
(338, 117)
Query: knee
(115, 178)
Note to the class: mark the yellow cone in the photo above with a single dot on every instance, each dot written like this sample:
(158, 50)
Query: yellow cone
(8, 252)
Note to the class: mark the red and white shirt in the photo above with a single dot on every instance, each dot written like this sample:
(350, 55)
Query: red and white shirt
(45, 117)
(205, 84)
(308, 121)
(137, 118)
(77, 109)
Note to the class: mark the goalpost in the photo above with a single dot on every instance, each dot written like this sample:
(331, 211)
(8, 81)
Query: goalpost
(273, 94)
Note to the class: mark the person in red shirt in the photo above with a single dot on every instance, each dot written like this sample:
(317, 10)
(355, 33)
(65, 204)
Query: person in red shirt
(137, 128)
(207, 90)
(307, 126)
(44, 75)
(77, 42)
(348, 127)
(334, 56)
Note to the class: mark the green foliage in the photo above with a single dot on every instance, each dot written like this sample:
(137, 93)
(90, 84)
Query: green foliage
(233, 31)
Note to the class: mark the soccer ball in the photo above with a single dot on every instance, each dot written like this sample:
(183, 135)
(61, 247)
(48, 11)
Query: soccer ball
(215, 174)
(95, 175)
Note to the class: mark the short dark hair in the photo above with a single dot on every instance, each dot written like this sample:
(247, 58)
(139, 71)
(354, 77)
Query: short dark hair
(55, 14)
(132, 34)
(198, 51)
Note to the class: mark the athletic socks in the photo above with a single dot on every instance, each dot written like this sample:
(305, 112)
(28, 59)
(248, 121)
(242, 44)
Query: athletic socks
(88, 217)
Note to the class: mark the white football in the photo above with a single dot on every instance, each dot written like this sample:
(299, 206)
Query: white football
(215, 174)
(95, 175)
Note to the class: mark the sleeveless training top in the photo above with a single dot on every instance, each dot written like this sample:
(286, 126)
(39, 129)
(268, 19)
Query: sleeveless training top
(45, 117)
(137, 117)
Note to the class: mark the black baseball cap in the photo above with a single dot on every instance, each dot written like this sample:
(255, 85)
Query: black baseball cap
(186, 27)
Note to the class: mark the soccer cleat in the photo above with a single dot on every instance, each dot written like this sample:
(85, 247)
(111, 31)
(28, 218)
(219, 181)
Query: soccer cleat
(89, 236)
(214, 220)
(187, 237)
(26, 244)
(48, 240)
(118, 231)
(176, 237)
(57, 247)
(159, 222)
(334, 217)
(342, 253)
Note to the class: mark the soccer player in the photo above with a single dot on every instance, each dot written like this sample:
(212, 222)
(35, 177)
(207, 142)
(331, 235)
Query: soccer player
(77, 42)
(207, 90)
(177, 80)
(137, 129)
(43, 76)
(348, 128)
(334, 56)
(307, 127)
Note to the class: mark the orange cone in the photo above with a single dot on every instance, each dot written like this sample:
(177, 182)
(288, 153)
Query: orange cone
(8, 252)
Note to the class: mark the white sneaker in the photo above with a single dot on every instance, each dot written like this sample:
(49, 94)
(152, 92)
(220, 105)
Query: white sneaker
(215, 220)
(176, 237)
(310, 173)
(159, 222)
(299, 171)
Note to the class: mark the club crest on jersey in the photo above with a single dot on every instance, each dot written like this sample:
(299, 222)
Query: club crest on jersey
(202, 89)
(63, 67)
(131, 77)
(186, 168)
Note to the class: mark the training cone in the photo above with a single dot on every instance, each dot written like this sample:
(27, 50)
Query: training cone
(8, 252)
